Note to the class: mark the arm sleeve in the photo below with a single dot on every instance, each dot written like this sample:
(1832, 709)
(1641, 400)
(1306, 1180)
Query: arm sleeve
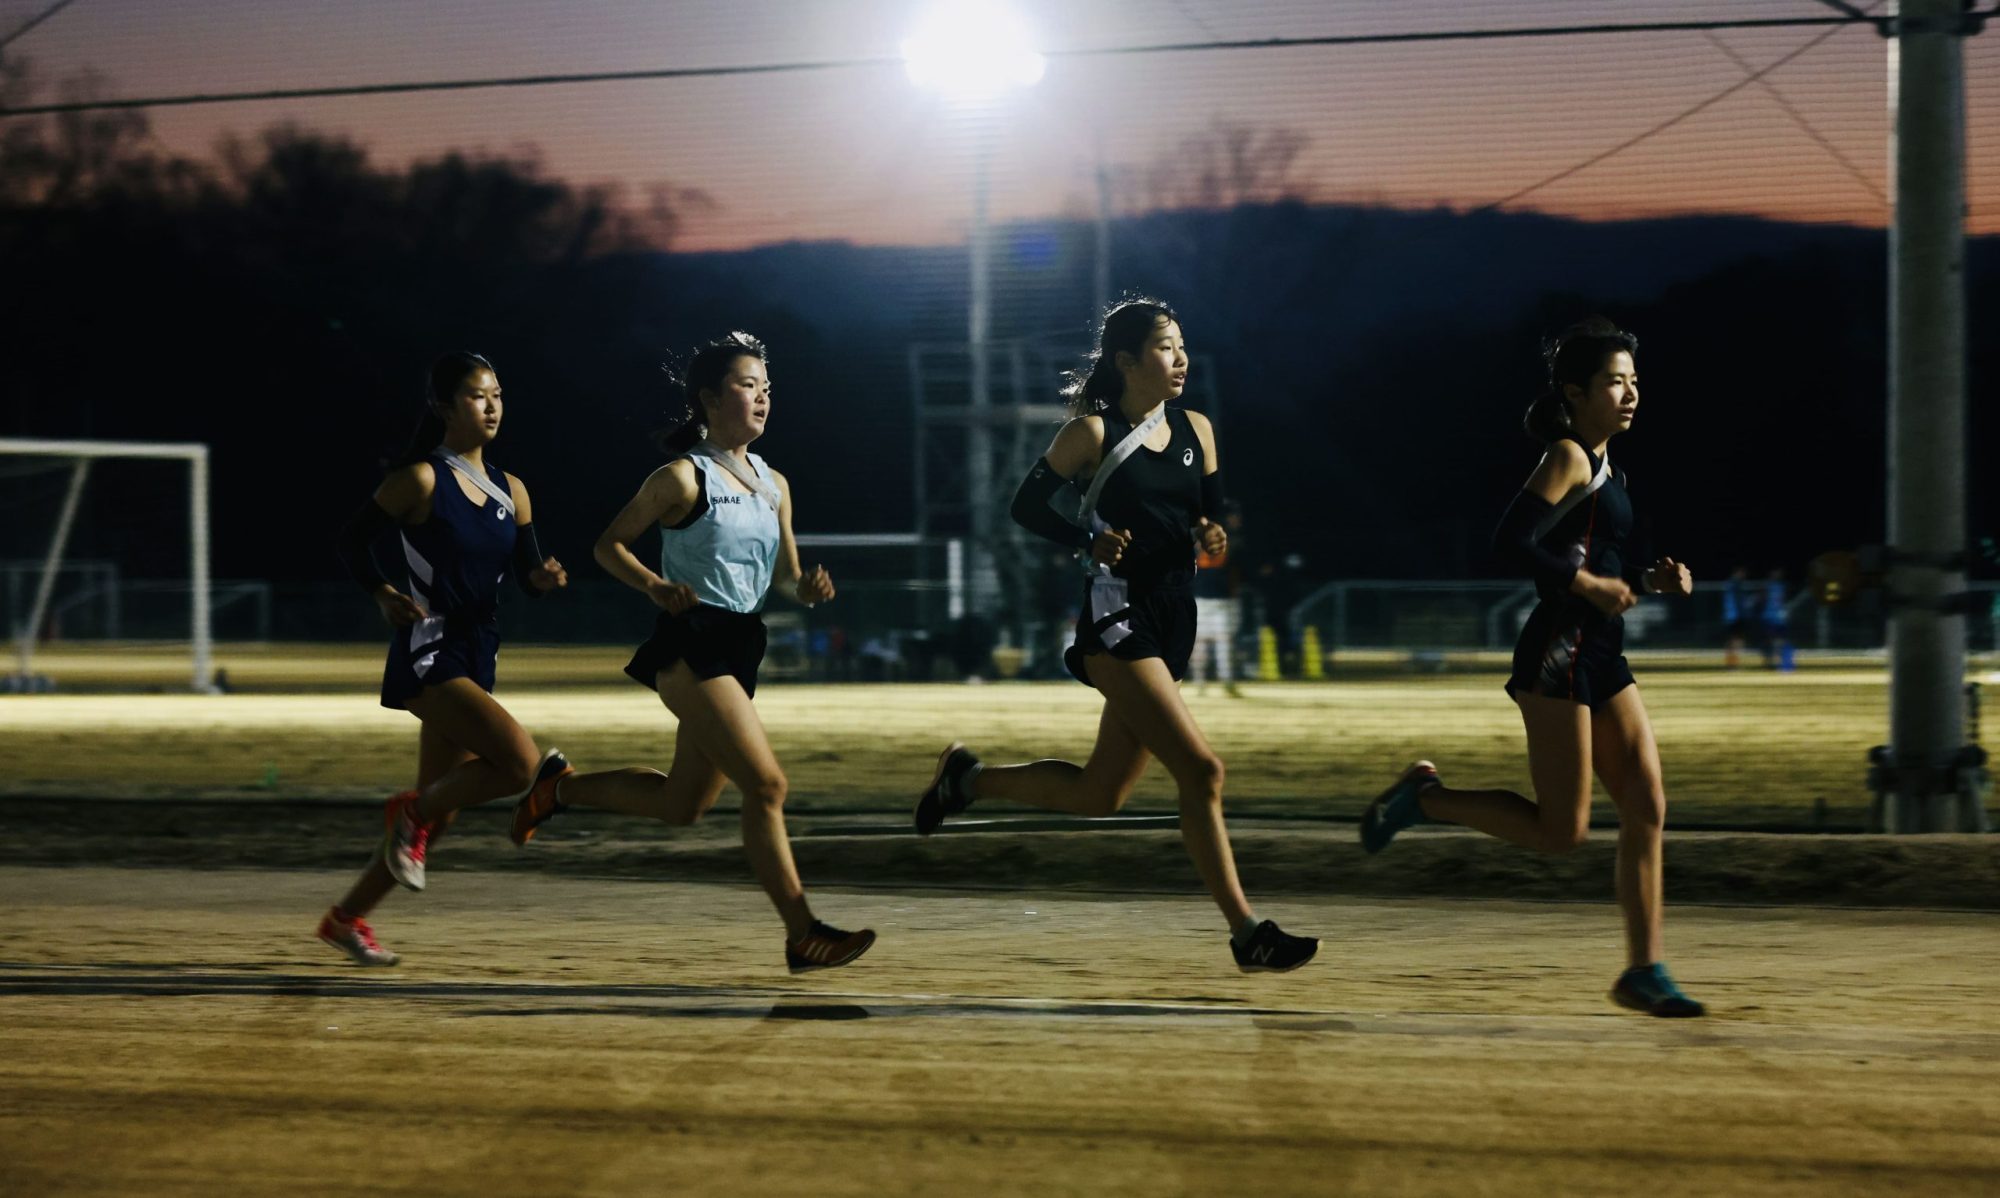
(1639, 561)
(1031, 509)
(356, 544)
(527, 559)
(1211, 496)
(1515, 542)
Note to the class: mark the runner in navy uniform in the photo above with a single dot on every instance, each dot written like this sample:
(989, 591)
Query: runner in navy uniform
(725, 525)
(464, 526)
(1569, 529)
(1153, 485)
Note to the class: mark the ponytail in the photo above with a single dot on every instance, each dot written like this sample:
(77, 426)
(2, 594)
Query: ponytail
(1573, 358)
(1126, 326)
(441, 384)
(704, 371)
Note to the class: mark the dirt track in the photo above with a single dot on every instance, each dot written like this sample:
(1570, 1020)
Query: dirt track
(163, 1031)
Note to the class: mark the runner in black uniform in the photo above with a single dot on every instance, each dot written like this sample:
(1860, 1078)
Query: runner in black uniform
(1136, 628)
(1569, 528)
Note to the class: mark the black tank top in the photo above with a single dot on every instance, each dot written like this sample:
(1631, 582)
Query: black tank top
(1156, 494)
(1593, 534)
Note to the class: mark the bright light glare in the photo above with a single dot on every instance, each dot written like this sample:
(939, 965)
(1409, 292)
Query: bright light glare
(972, 50)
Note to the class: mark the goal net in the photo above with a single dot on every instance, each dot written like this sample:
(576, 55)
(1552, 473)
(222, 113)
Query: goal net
(48, 480)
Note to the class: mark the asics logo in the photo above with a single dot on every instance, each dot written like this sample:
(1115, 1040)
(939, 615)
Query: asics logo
(1187, 458)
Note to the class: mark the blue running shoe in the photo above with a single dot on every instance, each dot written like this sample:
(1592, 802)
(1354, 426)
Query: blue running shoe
(1651, 989)
(1397, 807)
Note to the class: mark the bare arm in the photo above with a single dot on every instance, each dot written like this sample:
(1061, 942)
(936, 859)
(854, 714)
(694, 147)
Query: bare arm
(807, 586)
(666, 497)
(1212, 537)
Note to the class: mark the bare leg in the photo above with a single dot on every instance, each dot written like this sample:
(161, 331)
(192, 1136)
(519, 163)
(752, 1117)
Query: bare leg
(504, 754)
(1559, 739)
(1098, 787)
(436, 757)
(1143, 696)
(720, 720)
(1629, 763)
(680, 796)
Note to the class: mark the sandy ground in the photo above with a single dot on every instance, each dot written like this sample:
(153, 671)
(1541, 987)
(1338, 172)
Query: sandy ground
(167, 1032)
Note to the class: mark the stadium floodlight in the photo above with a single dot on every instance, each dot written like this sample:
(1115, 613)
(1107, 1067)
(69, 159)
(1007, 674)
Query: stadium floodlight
(972, 50)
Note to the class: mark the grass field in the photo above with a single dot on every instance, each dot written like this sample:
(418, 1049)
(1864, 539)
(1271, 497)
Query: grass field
(1740, 748)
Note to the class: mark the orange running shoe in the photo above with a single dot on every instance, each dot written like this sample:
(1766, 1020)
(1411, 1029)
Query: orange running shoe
(539, 805)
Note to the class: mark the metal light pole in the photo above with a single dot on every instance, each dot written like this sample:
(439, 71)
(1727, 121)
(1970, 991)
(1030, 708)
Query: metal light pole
(1923, 781)
(973, 52)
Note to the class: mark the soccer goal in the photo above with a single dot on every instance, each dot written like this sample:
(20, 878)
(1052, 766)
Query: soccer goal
(80, 457)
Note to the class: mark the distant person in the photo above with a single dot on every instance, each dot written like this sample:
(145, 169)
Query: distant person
(1217, 610)
(465, 525)
(1735, 617)
(1773, 622)
(725, 525)
(1568, 529)
(1153, 482)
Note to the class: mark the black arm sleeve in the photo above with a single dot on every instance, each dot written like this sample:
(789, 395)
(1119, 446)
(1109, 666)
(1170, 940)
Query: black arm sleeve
(527, 559)
(1031, 509)
(356, 544)
(1211, 496)
(1515, 542)
(1640, 560)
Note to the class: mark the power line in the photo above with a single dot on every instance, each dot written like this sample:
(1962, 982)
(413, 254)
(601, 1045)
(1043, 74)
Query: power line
(1662, 127)
(788, 68)
(1800, 119)
(46, 13)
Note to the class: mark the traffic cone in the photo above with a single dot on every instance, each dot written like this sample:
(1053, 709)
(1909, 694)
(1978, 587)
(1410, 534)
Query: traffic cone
(1312, 663)
(1267, 654)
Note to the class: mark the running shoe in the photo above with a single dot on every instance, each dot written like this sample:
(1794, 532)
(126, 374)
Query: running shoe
(826, 947)
(354, 937)
(405, 841)
(1651, 989)
(1271, 949)
(1398, 807)
(947, 794)
(539, 805)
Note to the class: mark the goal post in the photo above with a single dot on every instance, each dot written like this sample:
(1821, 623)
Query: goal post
(81, 455)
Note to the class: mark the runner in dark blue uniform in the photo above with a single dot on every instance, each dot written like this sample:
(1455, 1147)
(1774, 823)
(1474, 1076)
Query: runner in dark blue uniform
(1568, 529)
(463, 526)
(1154, 490)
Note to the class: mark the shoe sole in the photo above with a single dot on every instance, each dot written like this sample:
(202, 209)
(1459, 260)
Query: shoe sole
(1645, 1008)
(1278, 968)
(817, 966)
(931, 791)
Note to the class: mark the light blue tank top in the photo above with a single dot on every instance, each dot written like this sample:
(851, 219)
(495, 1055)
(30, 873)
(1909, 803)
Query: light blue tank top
(727, 552)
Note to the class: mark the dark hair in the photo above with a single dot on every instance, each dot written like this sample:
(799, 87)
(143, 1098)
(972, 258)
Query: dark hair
(1126, 327)
(704, 371)
(441, 384)
(1573, 357)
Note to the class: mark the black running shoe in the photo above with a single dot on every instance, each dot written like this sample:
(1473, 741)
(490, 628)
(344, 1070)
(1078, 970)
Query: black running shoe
(947, 794)
(1273, 950)
(826, 947)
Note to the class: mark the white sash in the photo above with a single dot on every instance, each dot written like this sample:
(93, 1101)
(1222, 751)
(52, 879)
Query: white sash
(742, 473)
(1108, 592)
(1547, 524)
(479, 478)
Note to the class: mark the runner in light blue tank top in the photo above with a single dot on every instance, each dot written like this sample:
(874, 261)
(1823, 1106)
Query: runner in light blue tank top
(726, 547)
(724, 520)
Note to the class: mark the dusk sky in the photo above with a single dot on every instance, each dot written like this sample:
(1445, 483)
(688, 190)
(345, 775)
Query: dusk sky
(862, 154)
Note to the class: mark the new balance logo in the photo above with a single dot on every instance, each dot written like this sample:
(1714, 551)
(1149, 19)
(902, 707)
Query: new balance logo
(1261, 956)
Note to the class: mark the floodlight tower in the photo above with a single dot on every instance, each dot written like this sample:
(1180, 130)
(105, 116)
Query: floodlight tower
(973, 53)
